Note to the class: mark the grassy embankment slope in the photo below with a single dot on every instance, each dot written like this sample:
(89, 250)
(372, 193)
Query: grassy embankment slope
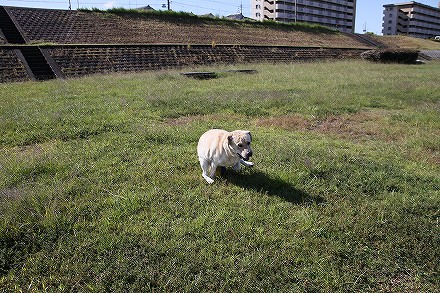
(132, 26)
(406, 42)
(178, 27)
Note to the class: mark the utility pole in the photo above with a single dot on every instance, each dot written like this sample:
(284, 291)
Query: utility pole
(167, 5)
(285, 13)
(296, 14)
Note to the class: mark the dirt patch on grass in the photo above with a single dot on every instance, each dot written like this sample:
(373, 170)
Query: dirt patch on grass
(434, 158)
(10, 193)
(403, 282)
(361, 125)
(34, 150)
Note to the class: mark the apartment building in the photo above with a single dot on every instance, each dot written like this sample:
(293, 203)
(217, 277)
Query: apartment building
(338, 14)
(411, 18)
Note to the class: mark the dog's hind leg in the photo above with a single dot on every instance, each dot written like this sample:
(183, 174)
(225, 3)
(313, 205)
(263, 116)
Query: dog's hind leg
(213, 169)
(205, 165)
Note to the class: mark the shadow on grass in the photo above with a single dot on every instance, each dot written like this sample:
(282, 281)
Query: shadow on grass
(261, 182)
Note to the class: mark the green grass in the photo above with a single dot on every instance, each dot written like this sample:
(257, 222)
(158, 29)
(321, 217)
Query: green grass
(101, 190)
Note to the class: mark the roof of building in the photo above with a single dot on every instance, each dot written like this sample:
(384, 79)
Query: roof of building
(148, 7)
(238, 16)
(414, 3)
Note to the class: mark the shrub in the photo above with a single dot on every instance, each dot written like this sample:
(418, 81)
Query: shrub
(391, 55)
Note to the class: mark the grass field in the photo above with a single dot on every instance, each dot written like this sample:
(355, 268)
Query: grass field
(101, 189)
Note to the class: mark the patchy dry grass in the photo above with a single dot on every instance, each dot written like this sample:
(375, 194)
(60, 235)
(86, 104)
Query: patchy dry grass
(364, 125)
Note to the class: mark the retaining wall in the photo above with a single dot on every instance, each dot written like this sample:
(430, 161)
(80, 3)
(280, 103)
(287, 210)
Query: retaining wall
(83, 60)
(76, 61)
(12, 67)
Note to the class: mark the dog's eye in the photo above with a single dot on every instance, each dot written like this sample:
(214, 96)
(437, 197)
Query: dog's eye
(240, 145)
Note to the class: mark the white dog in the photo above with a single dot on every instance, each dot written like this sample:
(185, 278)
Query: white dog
(219, 147)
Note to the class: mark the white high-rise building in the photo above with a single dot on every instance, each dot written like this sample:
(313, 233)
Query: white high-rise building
(411, 18)
(337, 14)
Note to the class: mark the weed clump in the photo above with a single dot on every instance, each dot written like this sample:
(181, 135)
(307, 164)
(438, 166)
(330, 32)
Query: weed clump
(391, 56)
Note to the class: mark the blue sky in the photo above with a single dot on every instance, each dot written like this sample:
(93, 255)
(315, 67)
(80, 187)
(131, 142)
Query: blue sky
(369, 12)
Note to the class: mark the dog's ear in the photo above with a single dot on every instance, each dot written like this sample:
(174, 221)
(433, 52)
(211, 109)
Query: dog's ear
(250, 135)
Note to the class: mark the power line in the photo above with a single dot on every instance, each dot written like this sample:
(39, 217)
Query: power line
(148, 2)
(159, 3)
(226, 7)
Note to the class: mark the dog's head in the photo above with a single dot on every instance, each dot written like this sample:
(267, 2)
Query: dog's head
(240, 141)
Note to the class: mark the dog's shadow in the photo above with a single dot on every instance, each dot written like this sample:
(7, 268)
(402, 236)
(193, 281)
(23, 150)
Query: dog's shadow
(256, 180)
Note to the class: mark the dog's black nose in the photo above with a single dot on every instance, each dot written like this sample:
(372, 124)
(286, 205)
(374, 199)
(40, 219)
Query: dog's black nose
(250, 154)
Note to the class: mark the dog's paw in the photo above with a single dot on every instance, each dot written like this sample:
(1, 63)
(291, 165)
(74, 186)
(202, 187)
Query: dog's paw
(208, 179)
